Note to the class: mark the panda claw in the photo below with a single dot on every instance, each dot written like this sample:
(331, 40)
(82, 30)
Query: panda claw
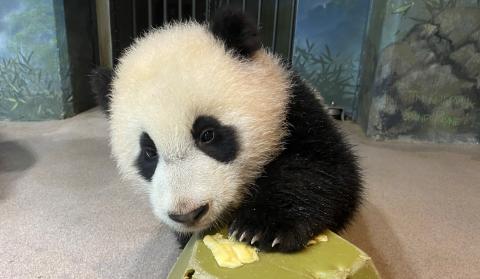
(275, 242)
(234, 233)
(242, 236)
(255, 239)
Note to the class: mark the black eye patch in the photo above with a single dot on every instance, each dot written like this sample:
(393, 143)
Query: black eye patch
(214, 139)
(148, 158)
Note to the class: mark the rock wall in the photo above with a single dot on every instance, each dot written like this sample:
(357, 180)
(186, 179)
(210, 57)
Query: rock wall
(427, 85)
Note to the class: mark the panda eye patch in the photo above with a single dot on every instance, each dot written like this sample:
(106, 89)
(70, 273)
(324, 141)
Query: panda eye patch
(215, 139)
(148, 158)
(150, 153)
(148, 147)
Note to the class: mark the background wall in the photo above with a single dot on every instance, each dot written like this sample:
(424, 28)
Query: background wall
(31, 85)
(47, 50)
(328, 44)
(422, 71)
(402, 69)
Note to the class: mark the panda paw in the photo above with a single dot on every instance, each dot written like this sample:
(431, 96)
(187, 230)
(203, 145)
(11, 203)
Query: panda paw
(271, 235)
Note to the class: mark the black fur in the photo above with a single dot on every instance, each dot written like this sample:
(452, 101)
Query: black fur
(313, 185)
(183, 238)
(100, 82)
(223, 147)
(238, 32)
(147, 160)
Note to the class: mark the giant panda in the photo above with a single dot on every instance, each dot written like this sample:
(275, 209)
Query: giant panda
(219, 131)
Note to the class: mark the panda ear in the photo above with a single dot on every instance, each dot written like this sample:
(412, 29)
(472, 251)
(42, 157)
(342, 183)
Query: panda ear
(100, 82)
(239, 32)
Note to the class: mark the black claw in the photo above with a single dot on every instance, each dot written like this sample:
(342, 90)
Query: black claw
(231, 229)
(255, 239)
(241, 237)
(247, 237)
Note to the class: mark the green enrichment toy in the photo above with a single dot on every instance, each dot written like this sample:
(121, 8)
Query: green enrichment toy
(328, 256)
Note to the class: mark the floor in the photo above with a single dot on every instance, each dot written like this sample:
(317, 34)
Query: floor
(64, 212)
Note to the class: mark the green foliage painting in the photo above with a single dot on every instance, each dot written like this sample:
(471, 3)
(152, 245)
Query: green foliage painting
(30, 76)
(28, 92)
(332, 74)
(328, 44)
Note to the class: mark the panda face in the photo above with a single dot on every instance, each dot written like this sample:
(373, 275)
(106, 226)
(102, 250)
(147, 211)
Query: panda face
(193, 124)
(188, 183)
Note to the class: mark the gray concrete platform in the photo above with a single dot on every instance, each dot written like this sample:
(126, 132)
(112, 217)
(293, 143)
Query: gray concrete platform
(65, 214)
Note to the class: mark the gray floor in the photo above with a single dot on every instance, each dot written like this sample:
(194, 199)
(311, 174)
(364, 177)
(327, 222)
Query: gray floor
(64, 213)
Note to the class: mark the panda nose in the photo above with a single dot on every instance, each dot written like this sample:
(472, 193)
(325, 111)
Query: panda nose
(190, 217)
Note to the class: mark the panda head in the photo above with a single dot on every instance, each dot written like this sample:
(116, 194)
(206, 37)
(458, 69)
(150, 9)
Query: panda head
(196, 112)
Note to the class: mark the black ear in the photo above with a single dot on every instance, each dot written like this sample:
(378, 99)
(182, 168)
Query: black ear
(100, 81)
(239, 32)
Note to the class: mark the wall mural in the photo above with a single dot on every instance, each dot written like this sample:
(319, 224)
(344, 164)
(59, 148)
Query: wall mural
(414, 64)
(427, 80)
(32, 86)
(327, 47)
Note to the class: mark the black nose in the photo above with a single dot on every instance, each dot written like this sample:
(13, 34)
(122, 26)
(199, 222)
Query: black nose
(191, 216)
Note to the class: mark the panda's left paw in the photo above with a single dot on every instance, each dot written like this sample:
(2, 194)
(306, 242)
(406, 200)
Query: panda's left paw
(271, 235)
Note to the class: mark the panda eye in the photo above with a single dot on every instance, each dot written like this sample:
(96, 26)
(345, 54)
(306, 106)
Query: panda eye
(150, 153)
(207, 136)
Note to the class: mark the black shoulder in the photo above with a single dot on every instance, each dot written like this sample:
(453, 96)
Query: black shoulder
(100, 82)
(318, 163)
(309, 122)
(238, 31)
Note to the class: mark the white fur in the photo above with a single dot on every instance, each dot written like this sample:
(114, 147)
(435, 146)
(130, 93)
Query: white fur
(166, 80)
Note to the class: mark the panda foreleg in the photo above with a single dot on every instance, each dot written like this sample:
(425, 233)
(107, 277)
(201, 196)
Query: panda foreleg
(282, 213)
(296, 199)
(271, 226)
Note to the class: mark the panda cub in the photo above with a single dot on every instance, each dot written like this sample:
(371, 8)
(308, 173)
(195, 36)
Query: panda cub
(219, 132)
